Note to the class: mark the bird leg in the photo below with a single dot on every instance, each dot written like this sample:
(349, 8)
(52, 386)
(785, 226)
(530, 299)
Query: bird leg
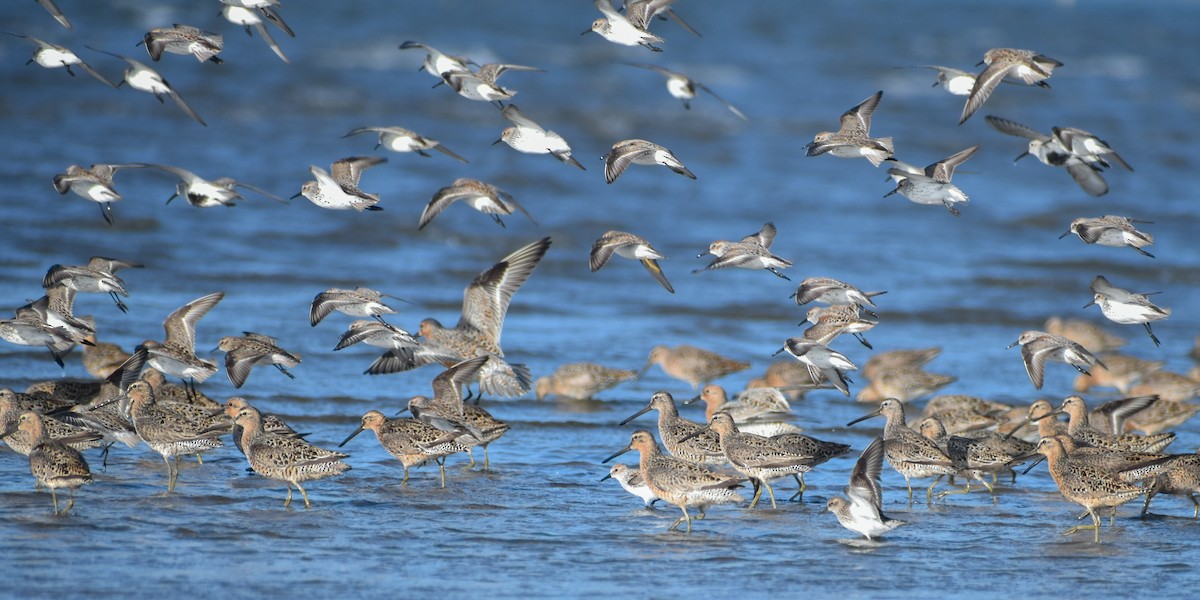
(757, 492)
(800, 480)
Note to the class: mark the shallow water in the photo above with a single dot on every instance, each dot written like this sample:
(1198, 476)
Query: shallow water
(540, 523)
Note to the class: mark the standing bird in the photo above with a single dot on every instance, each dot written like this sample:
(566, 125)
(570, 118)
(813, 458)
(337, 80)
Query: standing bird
(94, 183)
(580, 381)
(684, 88)
(691, 364)
(477, 333)
(759, 458)
(144, 79)
(933, 185)
(1037, 347)
(1123, 306)
(358, 302)
(1111, 230)
(527, 136)
(910, 454)
(824, 364)
(97, 276)
(338, 189)
(628, 245)
(639, 152)
(54, 464)
(752, 252)
(632, 482)
(445, 409)
(1007, 63)
(184, 39)
(282, 458)
(861, 511)
(243, 353)
(1085, 485)
(853, 139)
(173, 429)
(399, 139)
(53, 56)
(483, 197)
(684, 439)
(410, 441)
(679, 482)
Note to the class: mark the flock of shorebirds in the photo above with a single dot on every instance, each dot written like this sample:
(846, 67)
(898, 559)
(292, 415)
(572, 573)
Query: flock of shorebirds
(1095, 458)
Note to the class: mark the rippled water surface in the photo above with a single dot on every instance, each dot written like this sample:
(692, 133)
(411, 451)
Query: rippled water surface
(540, 523)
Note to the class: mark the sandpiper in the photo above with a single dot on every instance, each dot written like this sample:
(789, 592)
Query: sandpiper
(1037, 347)
(184, 39)
(94, 183)
(1123, 306)
(1050, 150)
(203, 193)
(483, 197)
(338, 189)
(580, 381)
(639, 152)
(631, 481)
(97, 276)
(752, 252)
(399, 139)
(832, 291)
(619, 29)
(933, 185)
(358, 302)
(243, 353)
(1111, 230)
(53, 56)
(628, 245)
(861, 511)
(527, 136)
(247, 18)
(144, 79)
(481, 85)
(1007, 63)
(824, 364)
(684, 88)
(853, 139)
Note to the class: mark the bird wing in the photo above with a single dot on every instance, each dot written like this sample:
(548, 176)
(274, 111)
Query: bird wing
(486, 299)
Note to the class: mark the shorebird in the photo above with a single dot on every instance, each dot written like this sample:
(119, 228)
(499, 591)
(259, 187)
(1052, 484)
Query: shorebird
(1037, 347)
(691, 364)
(640, 152)
(1085, 333)
(910, 454)
(410, 441)
(1087, 147)
(97, 276)
(338, 189)
(759, 458)
(752, 252)
(173, 429)
(684, 439)
(527, 136)
(1123, 306)
(445, 409)
(834, 320)
(176, 355)
(631, 481)
(243, 353)
(1180, 476)
(619, 28)
(679, 482)
(933, 185)
(144, 79)
(759, 404)
(28, 327)
(684, 88)
(1081, 430)
(861, 511)
(53, 56)
(399, 139)
(358, 302)
(955, 81)
(377, 333)
(481, 85)
(483, 197)
(477, 333)
(824, 364)
(288, 459)
(1051, 151)
(816, 451)
(580, 381)
(271, 423)
(184, 39)
(1027, 66)
(831, 291)
(439, 64)
(853, 139)
(1111, 230)
(1085, 485)
(628, 245)
(267, 8)
(203, 193)
(904, 384)
(94, 183)
(54, 464)
(247, 17)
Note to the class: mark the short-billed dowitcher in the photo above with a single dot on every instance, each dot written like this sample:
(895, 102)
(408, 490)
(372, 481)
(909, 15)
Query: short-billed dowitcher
(861, 511)
(412, 442)
(1087, 486)
(1121, 371)
(288, 459)
(53, 464)
(759, 404)
(1180, 477)
(173, 430)
(759, 458)
(580, 381)
(909, 453)
(694, 365)
(679, 434)
(905, 385)
(271, 423)
(817, 451)
(680, 482)
(1080, 428)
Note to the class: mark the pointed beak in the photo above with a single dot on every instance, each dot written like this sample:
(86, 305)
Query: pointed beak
(609, 476)
(863, 418)
(1021, 155)
(1068, 232)
(627, 449)
(298, 194)
(351, 436)
(636, 415)
(1016, 343)
(1090, 303)
(691, 400)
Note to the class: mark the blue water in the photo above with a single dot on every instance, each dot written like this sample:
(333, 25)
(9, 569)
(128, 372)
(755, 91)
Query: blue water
(540, 523)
